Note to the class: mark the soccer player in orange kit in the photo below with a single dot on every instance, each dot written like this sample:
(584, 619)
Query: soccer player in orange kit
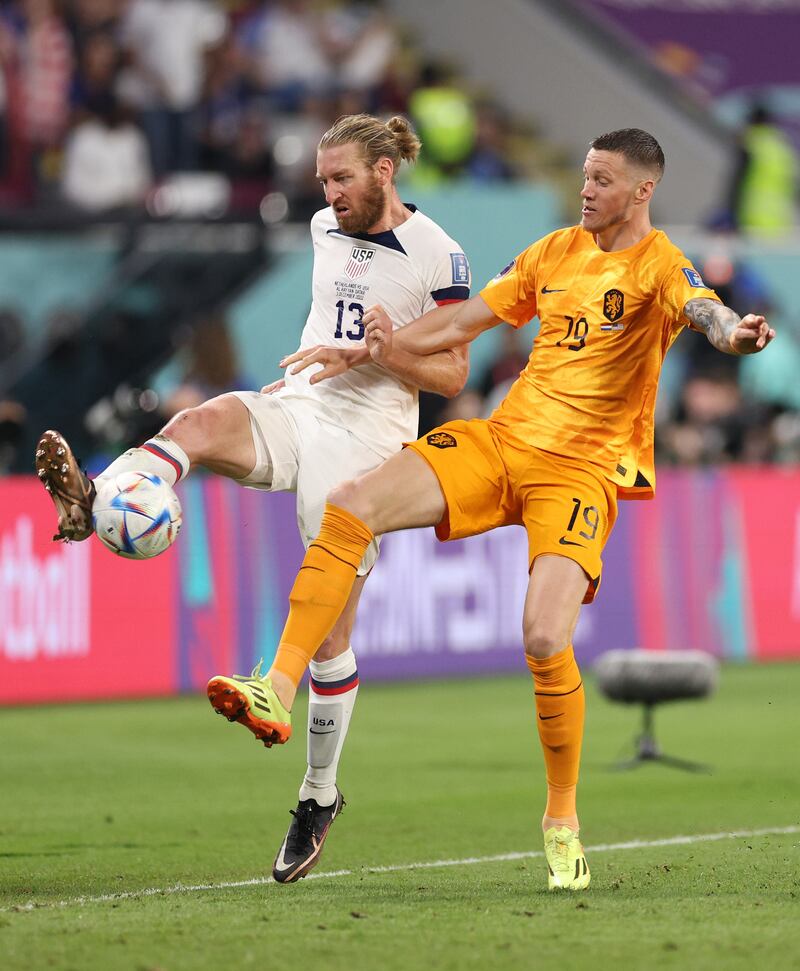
(573, 435)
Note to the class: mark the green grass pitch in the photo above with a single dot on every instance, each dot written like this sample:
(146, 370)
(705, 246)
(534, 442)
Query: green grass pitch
(108, 799)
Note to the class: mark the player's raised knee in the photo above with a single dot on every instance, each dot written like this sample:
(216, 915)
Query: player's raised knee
(197, 429)
(189, 428)
(542, 641)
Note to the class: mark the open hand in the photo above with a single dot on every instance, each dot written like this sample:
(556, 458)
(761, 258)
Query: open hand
(751, 335)
(335, 360)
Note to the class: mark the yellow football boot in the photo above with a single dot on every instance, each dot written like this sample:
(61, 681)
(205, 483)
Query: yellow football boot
(567, 868)
(253, 703)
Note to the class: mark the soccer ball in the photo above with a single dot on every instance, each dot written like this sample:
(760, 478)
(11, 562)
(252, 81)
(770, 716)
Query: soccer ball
(136, 515)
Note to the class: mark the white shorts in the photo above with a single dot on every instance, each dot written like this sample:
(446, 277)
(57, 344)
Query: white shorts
(299, 449)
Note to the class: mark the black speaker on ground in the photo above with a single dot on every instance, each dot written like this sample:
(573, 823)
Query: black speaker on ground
(650, 678)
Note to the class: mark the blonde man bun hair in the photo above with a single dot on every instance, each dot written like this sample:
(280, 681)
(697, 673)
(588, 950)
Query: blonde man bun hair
(394, 139)
(407, 142)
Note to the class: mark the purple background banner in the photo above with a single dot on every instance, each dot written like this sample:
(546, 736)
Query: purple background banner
(712, 564)
(728, 54)
(679, 573)
(738, 44)
(432, 608)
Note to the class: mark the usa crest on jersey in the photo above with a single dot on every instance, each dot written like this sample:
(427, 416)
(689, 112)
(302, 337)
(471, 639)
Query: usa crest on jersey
(359, 262)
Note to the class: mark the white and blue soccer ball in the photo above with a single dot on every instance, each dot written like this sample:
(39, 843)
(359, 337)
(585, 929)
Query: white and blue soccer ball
(136, 515)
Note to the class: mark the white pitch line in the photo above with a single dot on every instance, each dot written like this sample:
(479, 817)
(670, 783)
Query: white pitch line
(403, 867)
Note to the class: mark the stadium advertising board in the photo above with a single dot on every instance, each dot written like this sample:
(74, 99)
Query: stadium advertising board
(75, 621)
(708, 565)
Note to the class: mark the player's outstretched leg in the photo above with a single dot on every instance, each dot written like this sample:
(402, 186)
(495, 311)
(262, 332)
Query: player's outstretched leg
(216, 434)
(302, 848)
(567, 868)
(332, 697)
(71, 490)
(253, 703)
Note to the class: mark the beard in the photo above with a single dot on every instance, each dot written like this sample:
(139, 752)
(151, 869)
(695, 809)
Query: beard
(369, 211)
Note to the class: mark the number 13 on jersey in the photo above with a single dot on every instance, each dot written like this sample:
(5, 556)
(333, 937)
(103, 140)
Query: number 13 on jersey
(355, 329)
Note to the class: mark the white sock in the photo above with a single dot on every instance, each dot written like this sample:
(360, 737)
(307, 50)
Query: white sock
(332, 696)
(159, 455)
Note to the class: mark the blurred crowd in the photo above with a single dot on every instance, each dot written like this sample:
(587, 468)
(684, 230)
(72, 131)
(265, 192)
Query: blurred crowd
(100, 100)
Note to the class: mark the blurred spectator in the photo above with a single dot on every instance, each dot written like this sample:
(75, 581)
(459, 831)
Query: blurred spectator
(248, 162)
(489, 159)
(95, 80)
(710, 423)
(361, 44)
(226, 97)
(784, 437)
(285, 51)
(400, 80)
(37, 60)
(739, 286)
(210, 368)
(222, 100)
(167, 42)
(106, 162)
(445, 121)
(293, 51)
(763, 189)
(44, 65)
(294, 146)
(88, 17)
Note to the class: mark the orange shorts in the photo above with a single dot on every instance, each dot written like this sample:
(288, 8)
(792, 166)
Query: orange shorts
(566, 506)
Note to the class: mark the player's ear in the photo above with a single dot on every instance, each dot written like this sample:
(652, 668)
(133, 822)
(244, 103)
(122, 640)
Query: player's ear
(384, 169)
(644, 190)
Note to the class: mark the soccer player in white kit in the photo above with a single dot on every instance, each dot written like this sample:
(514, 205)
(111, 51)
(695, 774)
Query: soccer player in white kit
(307, 436)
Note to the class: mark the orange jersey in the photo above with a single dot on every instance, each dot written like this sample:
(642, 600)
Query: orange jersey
(607, 321)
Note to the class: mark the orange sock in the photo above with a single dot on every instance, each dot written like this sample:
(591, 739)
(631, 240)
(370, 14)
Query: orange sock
(321, 589)
(560, 704)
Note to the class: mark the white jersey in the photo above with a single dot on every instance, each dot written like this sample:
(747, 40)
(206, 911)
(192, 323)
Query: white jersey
(408, 271)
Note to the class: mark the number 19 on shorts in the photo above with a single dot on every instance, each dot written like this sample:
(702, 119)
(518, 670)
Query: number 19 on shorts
(588, 516)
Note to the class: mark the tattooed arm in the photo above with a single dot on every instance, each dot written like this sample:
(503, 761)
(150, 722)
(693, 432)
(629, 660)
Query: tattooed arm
(726, 330)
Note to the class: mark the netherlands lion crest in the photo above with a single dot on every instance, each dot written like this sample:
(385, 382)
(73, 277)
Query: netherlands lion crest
(441, 440)
(613, 304)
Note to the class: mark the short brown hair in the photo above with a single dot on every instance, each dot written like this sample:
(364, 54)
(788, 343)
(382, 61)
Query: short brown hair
(394, 139)
(636, 145)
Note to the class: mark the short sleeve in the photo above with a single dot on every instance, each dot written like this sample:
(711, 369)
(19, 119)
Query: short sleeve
(680, 284)
(511, 295)
(451, 278)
